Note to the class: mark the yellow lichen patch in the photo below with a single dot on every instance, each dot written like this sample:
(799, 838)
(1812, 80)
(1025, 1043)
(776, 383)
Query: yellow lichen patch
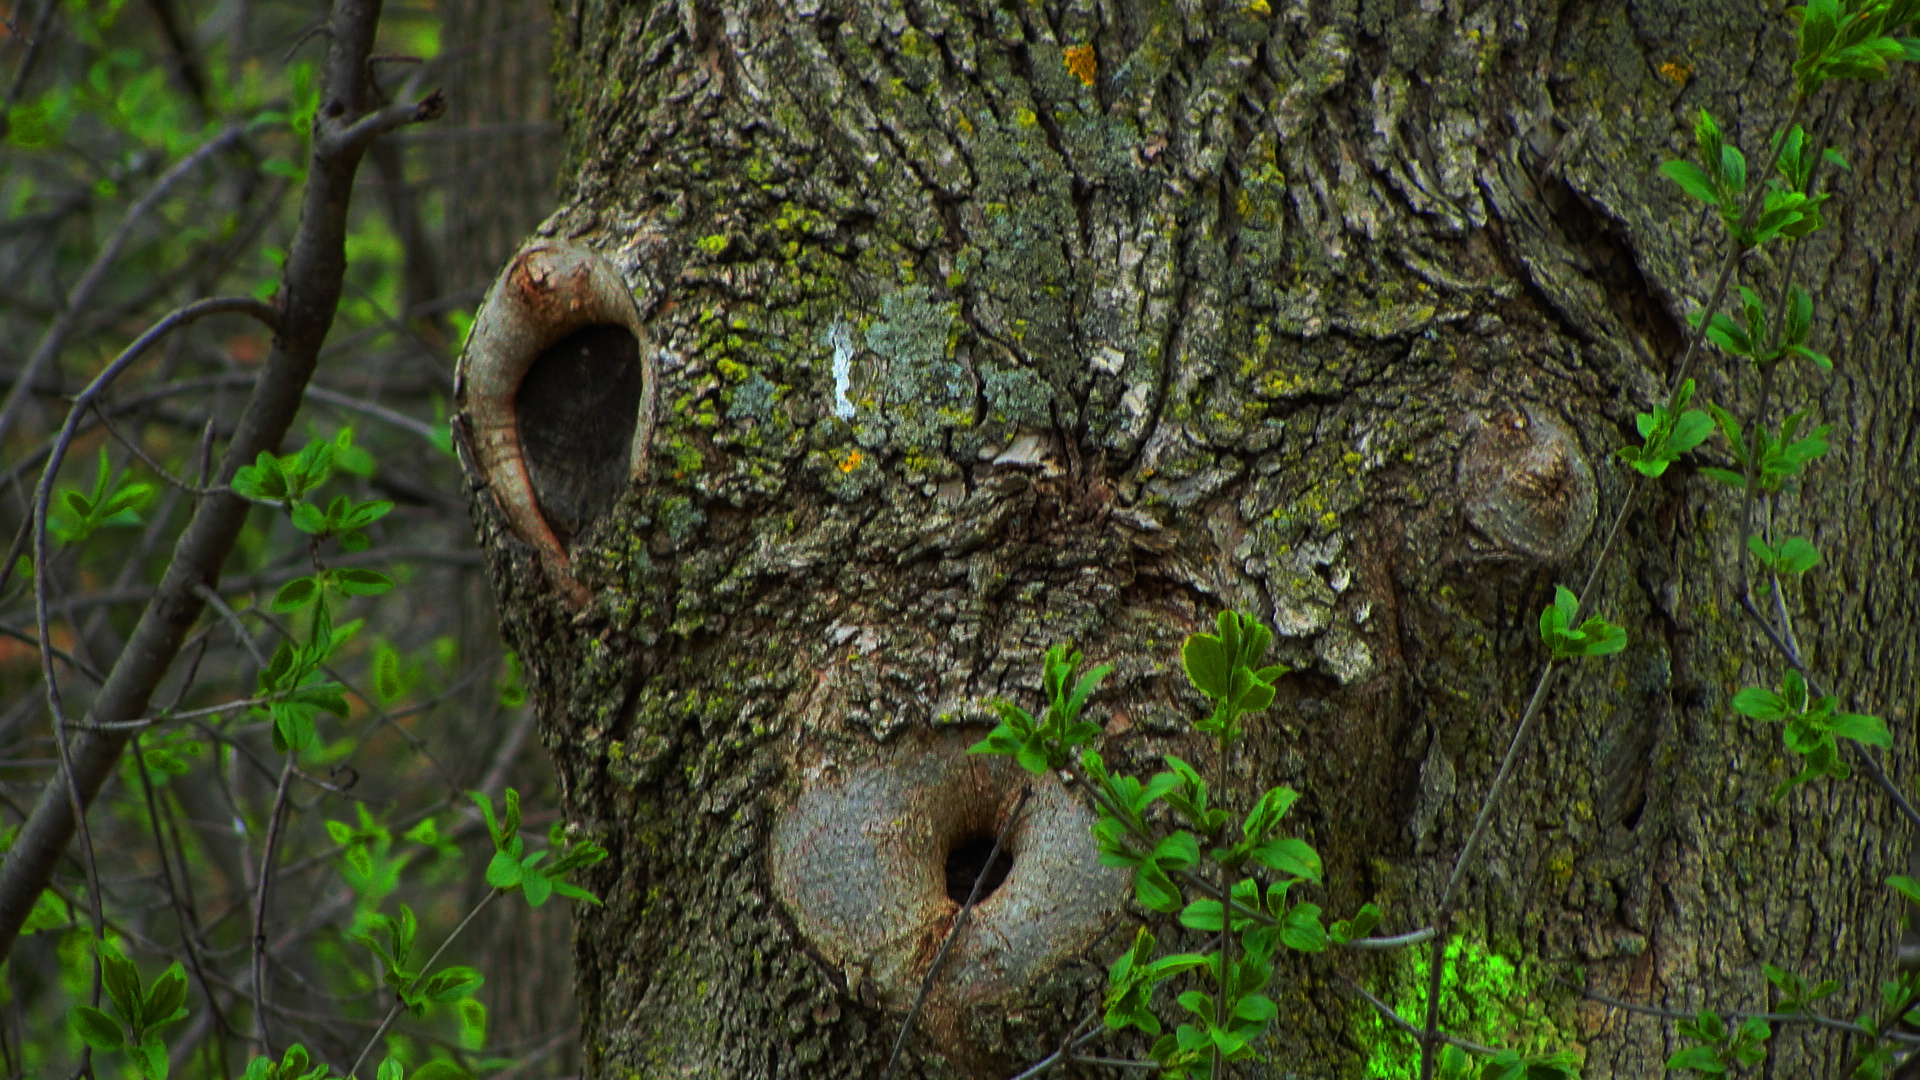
(1676, 71)
(851, 461)
(1082, 62)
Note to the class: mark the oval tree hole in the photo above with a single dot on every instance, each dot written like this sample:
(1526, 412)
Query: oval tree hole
(576, 410)
(965, 862)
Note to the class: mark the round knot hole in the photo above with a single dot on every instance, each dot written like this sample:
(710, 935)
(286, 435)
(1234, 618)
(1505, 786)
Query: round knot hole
(967, 863)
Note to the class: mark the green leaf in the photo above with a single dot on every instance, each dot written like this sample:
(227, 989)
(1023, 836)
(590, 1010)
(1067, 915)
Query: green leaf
(1693, 180)
(1208, 665)
(294, 595)
(357, 582)
(1760, 704)
(1905, 886)
(1202, 914)
(308, 518)
(1302, 931)
(440, 1069)
(537, 887)
(503, 871)
(1862, 728)
(450, 983)
(95, 1028)
(1154, 891)
(1698, 1059)
(167, 997)
(1290, 856)
(1179, 851)
(122, 982)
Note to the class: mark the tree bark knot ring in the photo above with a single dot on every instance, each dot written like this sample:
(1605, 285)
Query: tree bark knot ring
(555, 391)
(1525, 485)
(869, 864)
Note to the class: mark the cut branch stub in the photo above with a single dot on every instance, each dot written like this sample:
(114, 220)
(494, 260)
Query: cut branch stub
(868, 866)
(1526, 487)
(556, 392)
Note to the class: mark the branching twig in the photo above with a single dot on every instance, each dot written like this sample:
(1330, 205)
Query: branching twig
(310, 291)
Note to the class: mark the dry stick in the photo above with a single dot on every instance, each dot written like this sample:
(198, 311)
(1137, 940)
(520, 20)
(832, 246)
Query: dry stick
(394, 1013)
(311, 290)
(953, 932)
(1734, 1019)
(1073, 1042)
(187, 929)
(1443, 916)
(56, 335)
(276, 817)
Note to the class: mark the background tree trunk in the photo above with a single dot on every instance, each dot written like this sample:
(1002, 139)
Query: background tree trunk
(969, 344)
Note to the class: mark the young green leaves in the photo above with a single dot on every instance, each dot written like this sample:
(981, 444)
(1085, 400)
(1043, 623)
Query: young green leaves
(292, 1066)
(111, 505)
(1788, 558)
(297, 691)
(412, 987)
(1047, 744)
(1812, 727)
(1719, 1049)
(1782, 456)
(1595, 637)
(1221, 667)
(1851, 39)
(1719, 179)
(139, 1012)
(1667, 432)
(513, 868)
(1749, 338)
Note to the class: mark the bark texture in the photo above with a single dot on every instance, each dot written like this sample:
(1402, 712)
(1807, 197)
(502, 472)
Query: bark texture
(968, 344)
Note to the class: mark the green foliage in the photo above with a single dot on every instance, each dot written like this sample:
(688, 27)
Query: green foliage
(1813, 727)
(1045, 745)
(1789, 557)
(293, 1065)
(1594, 637)
(1719, 1048)
(1851, 39)
(1783, 454)
(136, 1014)
(513, 867)
(112, 504)
(1668, 431)
(411, 986)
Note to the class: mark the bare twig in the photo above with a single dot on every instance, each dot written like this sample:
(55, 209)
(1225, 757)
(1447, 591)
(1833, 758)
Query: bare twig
(953, 933)
(82, 290)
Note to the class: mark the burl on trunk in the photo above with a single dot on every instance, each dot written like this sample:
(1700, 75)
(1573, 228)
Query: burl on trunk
(877, 347)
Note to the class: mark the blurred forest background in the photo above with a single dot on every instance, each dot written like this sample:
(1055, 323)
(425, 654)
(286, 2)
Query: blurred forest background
(153, 154)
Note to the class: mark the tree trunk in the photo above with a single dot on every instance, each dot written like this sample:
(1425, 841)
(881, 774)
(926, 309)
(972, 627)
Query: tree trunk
(953, 341)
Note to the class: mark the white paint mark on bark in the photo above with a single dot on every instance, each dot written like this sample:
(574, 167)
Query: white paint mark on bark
(840, 336)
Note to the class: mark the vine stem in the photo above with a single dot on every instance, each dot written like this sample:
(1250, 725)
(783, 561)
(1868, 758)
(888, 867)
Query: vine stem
(394, 1013)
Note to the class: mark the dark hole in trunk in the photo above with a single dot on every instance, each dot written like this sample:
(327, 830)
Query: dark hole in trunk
(576, 410)
(965, 862)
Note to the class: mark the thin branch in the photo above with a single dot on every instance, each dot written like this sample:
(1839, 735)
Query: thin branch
(310, 289)
(82, 291)
(394, 1013)
(276, 818)
(953, 932)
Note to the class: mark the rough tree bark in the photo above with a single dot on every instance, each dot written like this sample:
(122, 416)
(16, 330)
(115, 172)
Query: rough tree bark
(957, 343)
